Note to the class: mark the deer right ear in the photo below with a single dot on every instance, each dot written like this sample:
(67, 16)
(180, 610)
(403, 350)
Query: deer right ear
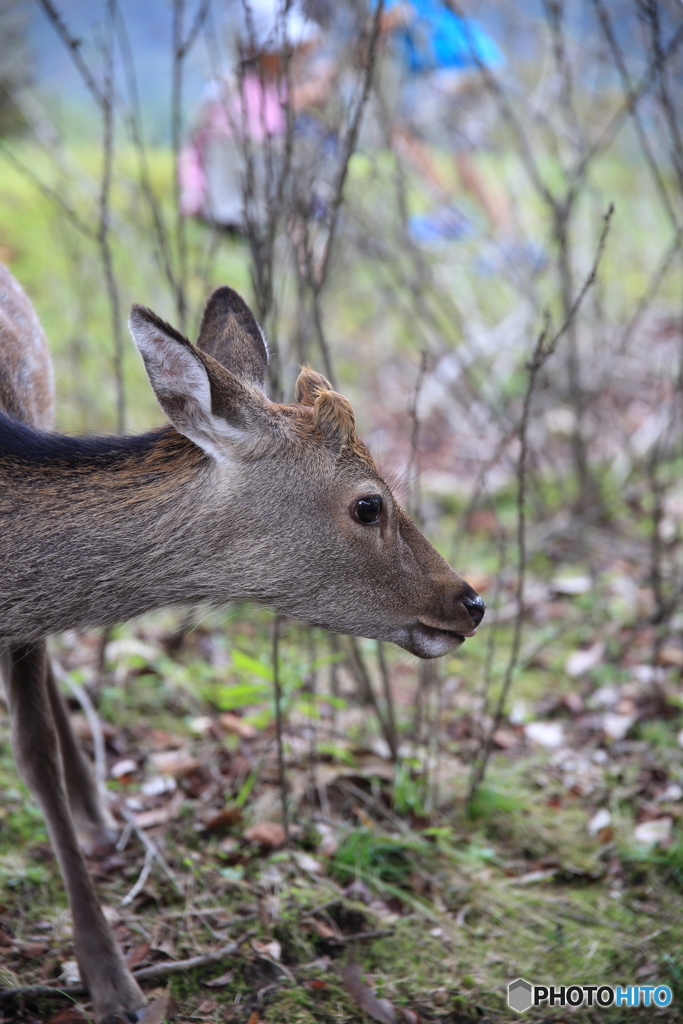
(180, 380)
(309, 385)
(230, 334)
(333, 415)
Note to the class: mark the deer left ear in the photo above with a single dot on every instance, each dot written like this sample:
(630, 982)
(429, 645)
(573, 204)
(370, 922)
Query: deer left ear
(230, 334)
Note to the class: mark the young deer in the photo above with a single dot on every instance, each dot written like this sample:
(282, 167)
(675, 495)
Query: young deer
(238, 498)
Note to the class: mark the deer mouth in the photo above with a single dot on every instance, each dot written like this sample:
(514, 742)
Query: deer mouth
(431, 641)
(436, 632)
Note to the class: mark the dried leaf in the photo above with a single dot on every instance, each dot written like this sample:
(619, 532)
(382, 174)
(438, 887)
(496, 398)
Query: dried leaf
(221, 981)
(652, 833)
(161, 815)
(70, 1015)
(671, 656)
(308, 863)
(580, 662)
(616, 726)
(70, 974)
(571, 586)
(32, 950)
(120, 769)
(600, 820)
(138, 954)
(267, 833)
(157, 1011)
(323, 930)
(207, 1006)
(410, 1016)
(177, 763)
(159, 739)
(378, 1009)
(233, 723)
(223, 820)
(545, 734)
(271, 950)
(505, 739)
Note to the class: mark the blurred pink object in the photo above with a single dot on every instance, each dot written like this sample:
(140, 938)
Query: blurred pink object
(192, 181)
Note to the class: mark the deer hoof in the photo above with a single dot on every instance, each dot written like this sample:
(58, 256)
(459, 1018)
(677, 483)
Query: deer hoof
(154, 1013)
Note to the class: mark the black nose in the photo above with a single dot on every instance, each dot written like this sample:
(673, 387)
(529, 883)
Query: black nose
(475, 606)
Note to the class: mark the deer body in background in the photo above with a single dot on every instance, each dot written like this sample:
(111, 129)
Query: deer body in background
(238, 498)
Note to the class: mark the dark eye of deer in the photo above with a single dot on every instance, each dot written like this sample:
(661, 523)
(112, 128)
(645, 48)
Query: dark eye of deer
(368, 509)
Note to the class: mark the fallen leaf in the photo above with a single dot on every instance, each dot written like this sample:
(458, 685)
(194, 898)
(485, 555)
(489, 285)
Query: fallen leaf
(207, 1006)
(70, 1015)
(378, 1009)
(323, 930)
(32, 950)
(580, 662)
(224, 819)
(505, 739)
(157, 1010)
(307, 863)
(616, 726)
(201, 725)
(126, 766)
(233, 723)
(221, 981)
(159, 739)
(410, 1016)
(161, 815)
(600, 820)
(70, 974)
(271, 950)
(671, 656)
(267, 833)
(177, 763)
(138, 954)
(571, 586)
(545, 734)
(652, 833)
(157, 785)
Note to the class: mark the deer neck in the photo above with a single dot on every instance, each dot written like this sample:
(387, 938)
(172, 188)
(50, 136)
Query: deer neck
(99, 530)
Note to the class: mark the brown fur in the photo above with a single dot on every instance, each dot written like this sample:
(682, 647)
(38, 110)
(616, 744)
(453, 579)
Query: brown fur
(238, 499)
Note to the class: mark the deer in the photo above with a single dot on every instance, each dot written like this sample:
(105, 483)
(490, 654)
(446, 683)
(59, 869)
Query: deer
(235, 498)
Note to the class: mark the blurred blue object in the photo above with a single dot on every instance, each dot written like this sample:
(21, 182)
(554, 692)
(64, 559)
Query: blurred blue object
(435, 37)
(513, 255)
(447, 224)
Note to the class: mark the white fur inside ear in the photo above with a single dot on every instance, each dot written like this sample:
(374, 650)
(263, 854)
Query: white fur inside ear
(173, 370)
(181, 385)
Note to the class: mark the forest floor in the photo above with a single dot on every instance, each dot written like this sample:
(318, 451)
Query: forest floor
(392, 898)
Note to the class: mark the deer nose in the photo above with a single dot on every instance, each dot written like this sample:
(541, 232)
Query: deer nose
(475, 607)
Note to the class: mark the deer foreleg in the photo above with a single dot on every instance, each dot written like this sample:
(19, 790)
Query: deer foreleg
(114, 992)
(94, 825)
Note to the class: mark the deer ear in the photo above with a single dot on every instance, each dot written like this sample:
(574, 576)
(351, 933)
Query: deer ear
(230, 334)
(185, 387)
(309, 385)
(333, 415)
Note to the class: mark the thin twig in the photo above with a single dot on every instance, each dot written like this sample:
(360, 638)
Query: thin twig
(543, 350)
(282, 768)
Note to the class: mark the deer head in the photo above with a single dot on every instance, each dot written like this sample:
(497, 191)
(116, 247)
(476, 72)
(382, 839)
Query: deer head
(301, 515)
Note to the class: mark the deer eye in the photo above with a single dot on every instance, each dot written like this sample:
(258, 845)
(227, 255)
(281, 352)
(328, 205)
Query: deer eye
(367, 510)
